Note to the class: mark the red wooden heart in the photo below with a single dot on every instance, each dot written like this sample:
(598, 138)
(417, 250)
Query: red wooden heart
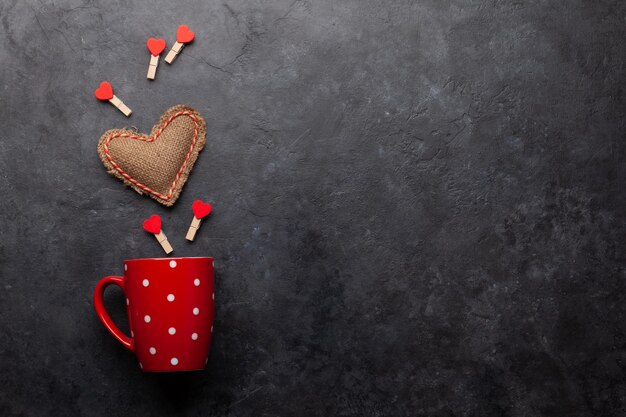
(153, 224)
(104, 92)
(156, 46)
(201, 209)
(184, 35)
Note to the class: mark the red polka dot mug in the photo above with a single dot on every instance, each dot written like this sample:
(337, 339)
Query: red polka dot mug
(169, 302)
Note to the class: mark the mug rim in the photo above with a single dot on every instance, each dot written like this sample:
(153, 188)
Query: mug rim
(170, 258)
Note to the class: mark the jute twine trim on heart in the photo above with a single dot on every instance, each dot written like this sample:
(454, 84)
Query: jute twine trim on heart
(159, 170)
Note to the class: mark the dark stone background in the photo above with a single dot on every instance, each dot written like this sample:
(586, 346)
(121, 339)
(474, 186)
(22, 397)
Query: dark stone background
(419, 206)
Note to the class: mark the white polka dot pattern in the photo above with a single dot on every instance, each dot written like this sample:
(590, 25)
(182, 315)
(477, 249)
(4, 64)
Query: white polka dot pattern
(170, 313)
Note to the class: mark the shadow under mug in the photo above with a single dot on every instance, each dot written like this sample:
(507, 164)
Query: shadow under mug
(170, 304)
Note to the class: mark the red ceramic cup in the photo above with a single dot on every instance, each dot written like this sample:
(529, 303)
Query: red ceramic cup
(170, 311)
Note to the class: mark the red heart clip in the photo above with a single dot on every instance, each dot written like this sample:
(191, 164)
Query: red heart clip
(201, 209)
(156, 46)
(153, 224)
(104, 92)
(184, 35)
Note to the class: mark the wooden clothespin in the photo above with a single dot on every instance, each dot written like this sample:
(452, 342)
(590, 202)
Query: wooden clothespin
(155, 46)
(153, 225)
(200, 210)
(183, 36)
(105, 93)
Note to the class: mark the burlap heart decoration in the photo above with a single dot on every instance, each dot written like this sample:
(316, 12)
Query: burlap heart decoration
(158, 164)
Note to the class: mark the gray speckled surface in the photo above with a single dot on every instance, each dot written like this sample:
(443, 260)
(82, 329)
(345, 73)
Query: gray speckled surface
(419, 206)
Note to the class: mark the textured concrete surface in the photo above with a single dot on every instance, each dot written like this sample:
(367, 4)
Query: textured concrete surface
(419, 206)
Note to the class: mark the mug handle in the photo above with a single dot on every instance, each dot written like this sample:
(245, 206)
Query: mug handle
(104, 316)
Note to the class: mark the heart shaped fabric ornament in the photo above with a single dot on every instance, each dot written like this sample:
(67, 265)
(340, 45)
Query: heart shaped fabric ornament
(160, 163)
